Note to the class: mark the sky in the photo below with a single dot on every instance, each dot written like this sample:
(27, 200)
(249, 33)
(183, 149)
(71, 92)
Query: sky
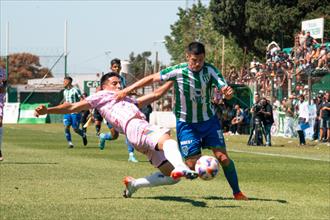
(97, 31)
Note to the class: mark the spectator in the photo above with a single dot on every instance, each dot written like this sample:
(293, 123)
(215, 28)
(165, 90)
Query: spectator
(267, 119)
(310, 41)
(289, 114)
(303, 117)
(318, 103)
(325, 119)
(237, 121)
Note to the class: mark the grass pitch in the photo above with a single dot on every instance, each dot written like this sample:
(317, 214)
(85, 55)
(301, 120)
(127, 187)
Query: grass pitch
(41, 178)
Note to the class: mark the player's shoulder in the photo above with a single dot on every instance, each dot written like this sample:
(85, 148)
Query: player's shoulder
(176, 67)
(211, 67)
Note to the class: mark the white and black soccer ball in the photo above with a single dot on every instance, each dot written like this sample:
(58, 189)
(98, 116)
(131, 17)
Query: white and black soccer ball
(207, 167)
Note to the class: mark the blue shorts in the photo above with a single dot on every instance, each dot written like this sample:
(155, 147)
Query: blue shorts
(72, 120)
(193, 137)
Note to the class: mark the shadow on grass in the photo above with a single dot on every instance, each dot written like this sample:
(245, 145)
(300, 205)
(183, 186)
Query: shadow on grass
(29, 163)
(192, 201)
(178, 199)
(250, 199)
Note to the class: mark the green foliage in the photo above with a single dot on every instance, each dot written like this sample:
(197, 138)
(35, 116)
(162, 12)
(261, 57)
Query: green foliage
(24, 66)
(138, 64)
(254, 24)
(42, 179)
(195, 24)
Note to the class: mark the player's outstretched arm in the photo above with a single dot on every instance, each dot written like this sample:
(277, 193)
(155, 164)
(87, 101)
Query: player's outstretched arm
(64, 108)
(155, 95)
(139, 84)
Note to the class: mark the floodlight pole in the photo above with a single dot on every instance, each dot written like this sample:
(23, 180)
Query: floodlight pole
(7, 56)
(65, 47)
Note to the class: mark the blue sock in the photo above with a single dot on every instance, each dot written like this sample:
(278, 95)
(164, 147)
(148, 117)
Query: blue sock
(108, 136)
(79, 131)
(231, 176)
(67, 134)
(130, 148)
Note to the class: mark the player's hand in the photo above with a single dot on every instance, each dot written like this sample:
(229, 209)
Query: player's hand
(228, 92)
(40, 110)
(120, 95)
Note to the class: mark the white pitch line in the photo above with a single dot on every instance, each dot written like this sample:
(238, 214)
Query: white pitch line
(280, 155)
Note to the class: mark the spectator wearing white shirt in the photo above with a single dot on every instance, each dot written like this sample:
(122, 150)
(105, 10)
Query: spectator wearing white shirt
(303, 117)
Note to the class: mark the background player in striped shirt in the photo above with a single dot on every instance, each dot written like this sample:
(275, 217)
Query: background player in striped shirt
(72, 95)
(197, 125)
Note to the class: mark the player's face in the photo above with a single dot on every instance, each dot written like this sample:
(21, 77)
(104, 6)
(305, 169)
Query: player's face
(66, 83)
(116, 68)
(112, 84)
(195, 62)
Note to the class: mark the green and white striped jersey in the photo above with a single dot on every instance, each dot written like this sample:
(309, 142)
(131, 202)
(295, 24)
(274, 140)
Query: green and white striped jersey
(193, 91)
(72, 95)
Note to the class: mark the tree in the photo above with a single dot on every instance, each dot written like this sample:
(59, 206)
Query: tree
(196, 24)
(254, 24)
(138, 65)
(24, 66)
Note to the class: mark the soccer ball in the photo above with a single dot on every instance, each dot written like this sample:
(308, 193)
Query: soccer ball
(207, 167)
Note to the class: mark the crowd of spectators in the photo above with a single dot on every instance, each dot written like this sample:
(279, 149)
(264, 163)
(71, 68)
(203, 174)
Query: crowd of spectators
(298, 116)
(287, 69)
(284, 77)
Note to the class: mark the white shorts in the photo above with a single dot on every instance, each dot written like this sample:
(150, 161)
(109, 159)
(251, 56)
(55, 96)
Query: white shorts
(144, 137)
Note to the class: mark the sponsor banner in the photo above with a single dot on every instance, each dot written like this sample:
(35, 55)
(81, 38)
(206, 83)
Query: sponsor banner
(26, 115)
(10, 113)
(315, 27)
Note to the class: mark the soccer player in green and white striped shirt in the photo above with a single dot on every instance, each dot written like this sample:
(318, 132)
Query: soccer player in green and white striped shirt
(197, 125)
(72, 95)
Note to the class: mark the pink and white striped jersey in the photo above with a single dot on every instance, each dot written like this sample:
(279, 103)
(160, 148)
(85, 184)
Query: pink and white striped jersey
(117, 113)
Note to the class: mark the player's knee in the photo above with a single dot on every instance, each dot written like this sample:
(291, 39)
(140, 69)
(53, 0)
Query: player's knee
(76, 130)
(114, 134)
(191, 162)
(225, 162)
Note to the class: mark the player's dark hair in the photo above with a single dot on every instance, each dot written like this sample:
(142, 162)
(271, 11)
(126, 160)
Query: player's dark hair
(196, 48)
(106, 76)
(115, 61)
(68, 78)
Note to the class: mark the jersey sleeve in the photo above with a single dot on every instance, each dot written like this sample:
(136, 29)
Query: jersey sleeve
(78, 92)
(170, 73)
(93, 100)
(217, 79)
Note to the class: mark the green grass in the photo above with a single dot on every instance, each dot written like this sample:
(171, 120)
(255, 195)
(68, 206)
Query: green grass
(41, 178)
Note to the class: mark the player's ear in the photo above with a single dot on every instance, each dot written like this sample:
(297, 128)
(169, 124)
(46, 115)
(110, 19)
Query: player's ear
(187, 56)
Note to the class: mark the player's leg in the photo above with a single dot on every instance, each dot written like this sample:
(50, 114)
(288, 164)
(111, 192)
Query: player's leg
(2, 101)
(130, 149)
(229, 170)
(1, 134)
(111, 135)
(146, 136)
(172, 153)
(161, 178)
(67, 121)
(216, 139)
(84, 118)
(98, 121)
(76, 117)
